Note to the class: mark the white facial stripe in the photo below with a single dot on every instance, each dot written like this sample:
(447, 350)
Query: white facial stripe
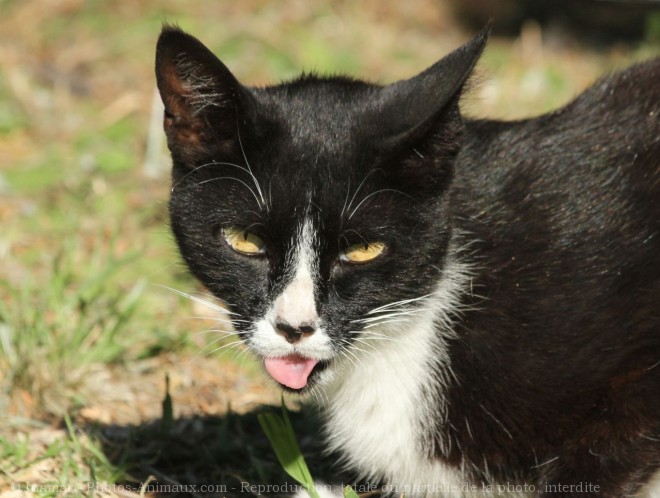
(652, 488)
(296, 305)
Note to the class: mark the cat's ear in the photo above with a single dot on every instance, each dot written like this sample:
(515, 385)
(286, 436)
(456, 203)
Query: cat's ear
(411, 106)
(203, 100)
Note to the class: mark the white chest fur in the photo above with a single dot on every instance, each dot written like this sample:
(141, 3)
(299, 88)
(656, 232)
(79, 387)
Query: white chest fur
(379, 405)
(378, 414)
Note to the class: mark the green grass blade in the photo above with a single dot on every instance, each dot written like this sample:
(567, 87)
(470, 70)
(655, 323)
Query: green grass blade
(350, 493)
(279, 431)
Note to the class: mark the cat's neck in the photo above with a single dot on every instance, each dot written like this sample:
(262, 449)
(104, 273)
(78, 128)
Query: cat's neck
(401, 368)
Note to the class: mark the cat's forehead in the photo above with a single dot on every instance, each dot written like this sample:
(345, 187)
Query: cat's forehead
(313, 93)
(317, 149)
(329, 113)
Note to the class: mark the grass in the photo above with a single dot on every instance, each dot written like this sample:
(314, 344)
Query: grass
(282, 438)
(88, 334)
(73, 322)
(80, 461)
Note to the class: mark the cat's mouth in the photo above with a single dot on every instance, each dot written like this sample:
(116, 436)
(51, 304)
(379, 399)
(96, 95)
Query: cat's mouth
(294, 372)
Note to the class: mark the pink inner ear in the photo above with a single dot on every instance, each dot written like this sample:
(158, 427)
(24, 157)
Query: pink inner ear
(291, 371)
(185, 130)
(176, 95)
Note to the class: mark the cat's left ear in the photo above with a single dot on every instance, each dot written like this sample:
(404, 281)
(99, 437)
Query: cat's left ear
(408, 108)
(203, 100)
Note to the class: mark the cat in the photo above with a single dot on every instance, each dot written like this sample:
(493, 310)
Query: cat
(474, 304)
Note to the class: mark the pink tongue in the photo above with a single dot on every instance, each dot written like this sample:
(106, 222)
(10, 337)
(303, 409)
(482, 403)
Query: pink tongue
(292, 371)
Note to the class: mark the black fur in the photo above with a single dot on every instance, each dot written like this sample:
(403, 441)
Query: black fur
(556, 358)
(564, 215)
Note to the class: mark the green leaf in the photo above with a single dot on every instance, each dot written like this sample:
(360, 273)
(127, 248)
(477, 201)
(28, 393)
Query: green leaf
(349, 493)
(280, 433)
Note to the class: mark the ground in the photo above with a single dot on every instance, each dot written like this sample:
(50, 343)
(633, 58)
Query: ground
(91, 333)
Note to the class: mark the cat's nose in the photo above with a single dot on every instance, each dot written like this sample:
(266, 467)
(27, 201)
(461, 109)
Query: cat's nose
(292, 333)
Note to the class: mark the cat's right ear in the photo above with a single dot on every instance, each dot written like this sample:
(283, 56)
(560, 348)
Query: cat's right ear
(203, 100)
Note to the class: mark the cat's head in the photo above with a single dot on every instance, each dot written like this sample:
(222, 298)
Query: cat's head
(315, 209)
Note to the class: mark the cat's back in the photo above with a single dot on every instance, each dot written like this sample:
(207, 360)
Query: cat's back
(617, 111)
(604, 146)
(635, 89)
(570, 199)
(619, 114)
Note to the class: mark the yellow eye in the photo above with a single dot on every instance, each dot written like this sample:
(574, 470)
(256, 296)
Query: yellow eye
(243, 241)
(362, 253)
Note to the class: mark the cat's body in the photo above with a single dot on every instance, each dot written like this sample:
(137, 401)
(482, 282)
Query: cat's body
(473, 303)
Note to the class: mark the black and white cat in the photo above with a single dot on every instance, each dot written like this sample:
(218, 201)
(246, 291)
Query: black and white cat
(474, 303)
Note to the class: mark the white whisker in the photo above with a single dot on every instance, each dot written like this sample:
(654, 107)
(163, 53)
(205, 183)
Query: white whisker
(344, 352)
(346, 346)
(263, 205)
(216, 341)
(201, 301)
(194, 170)
(229, 321)
(215, 331)
(348, 192)
(260, 199)
(232, 344)
(242, 356)
(392, 314)
(377, 337)
(385, 322)
(374, 193)
(236, 180)
(397, 303)
(347, 208)
(362, 341)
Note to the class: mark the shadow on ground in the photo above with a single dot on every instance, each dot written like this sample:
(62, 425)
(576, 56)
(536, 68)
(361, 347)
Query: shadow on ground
(217, 456)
